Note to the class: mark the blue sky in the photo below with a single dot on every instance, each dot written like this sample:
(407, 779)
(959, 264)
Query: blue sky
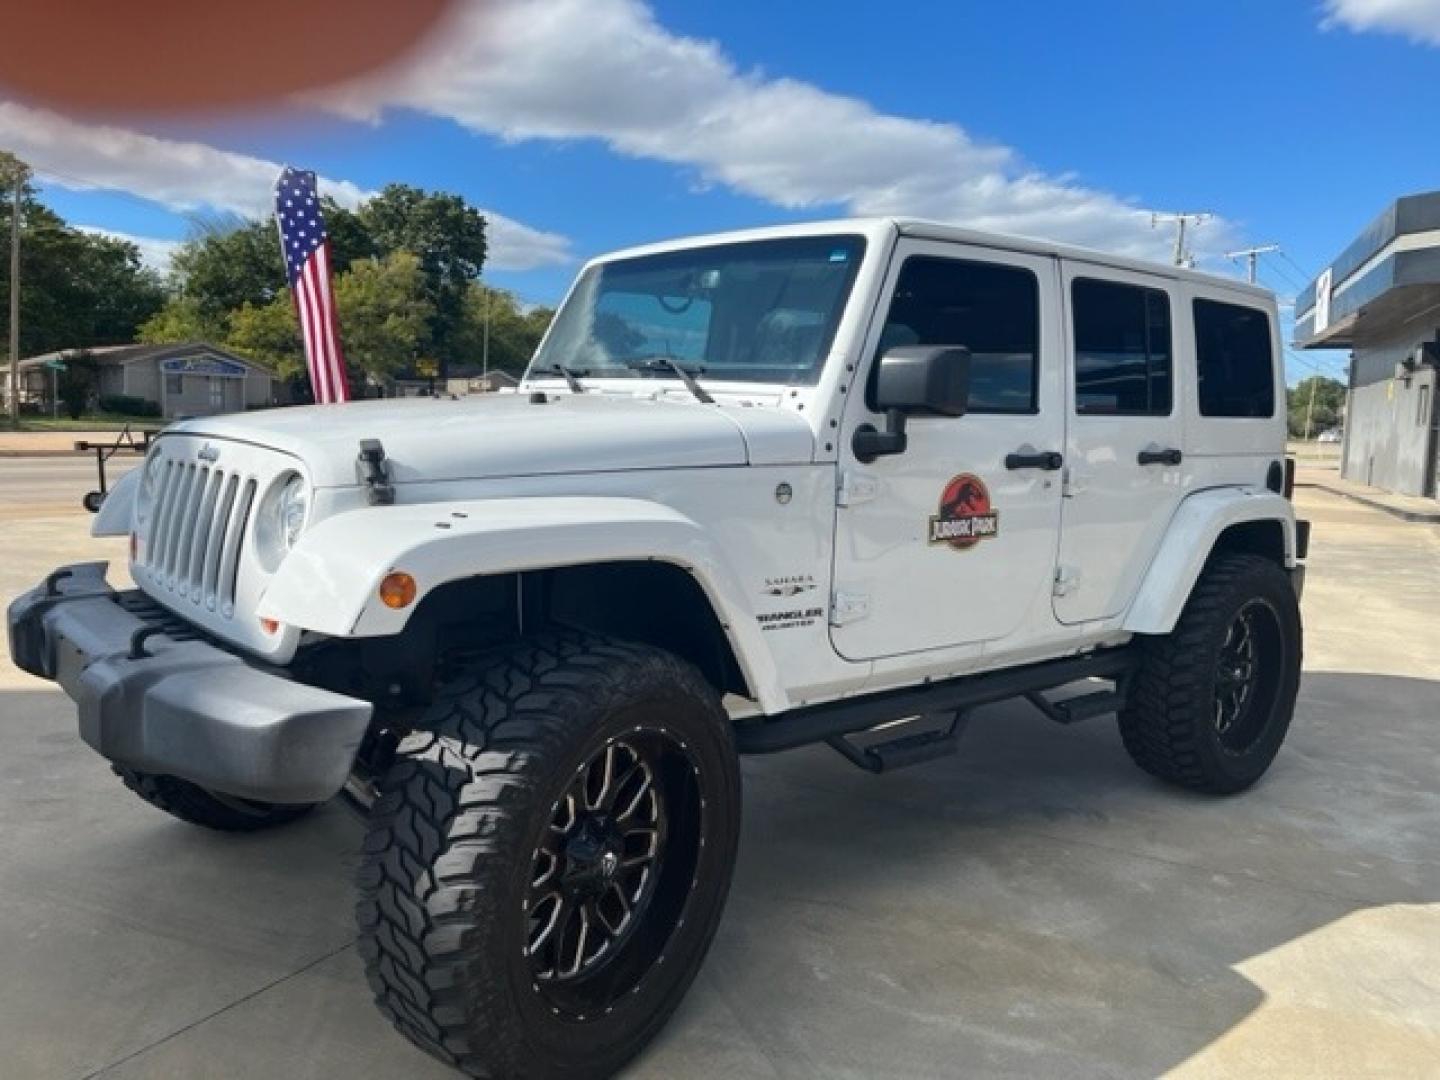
(591, 124)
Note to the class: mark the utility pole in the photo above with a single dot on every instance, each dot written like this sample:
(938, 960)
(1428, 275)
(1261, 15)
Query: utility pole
(1310, 408)
(1182, 221)
(1252, 257)
(18, 175)
(485, 348)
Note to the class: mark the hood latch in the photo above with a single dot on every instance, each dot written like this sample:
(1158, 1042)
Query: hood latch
(375, 472)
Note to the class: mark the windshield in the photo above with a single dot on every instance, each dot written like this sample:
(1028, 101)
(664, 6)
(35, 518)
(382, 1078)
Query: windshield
(760, 311)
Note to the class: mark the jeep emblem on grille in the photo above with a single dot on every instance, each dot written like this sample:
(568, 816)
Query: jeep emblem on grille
(209, 452)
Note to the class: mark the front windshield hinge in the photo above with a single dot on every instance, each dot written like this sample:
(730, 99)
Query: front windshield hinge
(856, 487)
(569, 374)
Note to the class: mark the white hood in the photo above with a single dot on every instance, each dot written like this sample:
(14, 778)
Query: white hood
(499, 435)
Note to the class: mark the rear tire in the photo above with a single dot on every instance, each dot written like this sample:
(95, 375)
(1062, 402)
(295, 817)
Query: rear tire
(1212, 700)
(196, 805)
(548, 860)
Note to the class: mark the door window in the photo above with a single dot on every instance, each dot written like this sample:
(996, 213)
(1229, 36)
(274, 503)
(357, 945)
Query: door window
(990, 309)
(1234, 360)
(1122, 349)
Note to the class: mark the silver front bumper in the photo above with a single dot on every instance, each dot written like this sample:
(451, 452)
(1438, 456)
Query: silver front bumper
(172, 703)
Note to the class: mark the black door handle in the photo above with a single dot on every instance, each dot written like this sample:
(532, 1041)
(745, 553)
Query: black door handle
(1168, 456)
(1048, 460)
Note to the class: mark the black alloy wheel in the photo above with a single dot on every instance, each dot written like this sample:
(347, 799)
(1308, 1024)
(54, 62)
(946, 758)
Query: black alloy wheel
(1247, 670)
(612, 870)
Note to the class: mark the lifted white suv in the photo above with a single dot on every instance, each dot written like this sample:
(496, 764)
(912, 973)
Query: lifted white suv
(755, 491)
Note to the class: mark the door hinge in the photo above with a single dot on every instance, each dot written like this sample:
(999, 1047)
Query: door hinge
(856, 487)
(846, 608)
(1066, 578)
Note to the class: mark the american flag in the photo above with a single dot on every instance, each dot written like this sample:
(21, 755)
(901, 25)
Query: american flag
(307, 264)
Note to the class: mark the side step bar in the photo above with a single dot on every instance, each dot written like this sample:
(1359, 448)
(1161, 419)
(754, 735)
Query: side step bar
(1081, 707)
(904, 750)
(833, 720)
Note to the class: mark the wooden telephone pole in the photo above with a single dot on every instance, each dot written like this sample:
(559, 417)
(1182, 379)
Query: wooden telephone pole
(18, 174)
(1182, 222)
(1252, 258)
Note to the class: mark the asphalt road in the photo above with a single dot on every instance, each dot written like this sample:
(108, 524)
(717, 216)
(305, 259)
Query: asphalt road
(41, 487)
(1033, 907)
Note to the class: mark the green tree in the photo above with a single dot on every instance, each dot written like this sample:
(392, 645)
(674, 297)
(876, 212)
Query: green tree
(269, 334)
(1329, 405)
(182, 319)
(514, 330)
(78, 382)
(76, 288)
(121, 292)
(229, 262)
(384, 313)
(447, 235)
(350, 241)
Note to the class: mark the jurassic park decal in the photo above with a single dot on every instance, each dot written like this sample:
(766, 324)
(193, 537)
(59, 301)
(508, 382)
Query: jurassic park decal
(965, 516)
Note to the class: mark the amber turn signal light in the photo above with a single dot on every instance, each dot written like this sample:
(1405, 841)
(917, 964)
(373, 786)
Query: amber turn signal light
(397, 590)
(270, 626)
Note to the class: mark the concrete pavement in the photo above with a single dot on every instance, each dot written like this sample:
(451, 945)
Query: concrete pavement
(1036, 906)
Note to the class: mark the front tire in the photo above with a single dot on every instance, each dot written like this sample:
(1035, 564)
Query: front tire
(1212, 700)
(196, 805)
(549, 858)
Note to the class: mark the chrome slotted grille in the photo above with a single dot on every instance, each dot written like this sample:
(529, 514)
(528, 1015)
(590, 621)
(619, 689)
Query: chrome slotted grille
(197, 528)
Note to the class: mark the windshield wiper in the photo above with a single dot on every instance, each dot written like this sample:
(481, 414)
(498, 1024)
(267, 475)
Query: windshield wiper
(569, 374)
(670, 364)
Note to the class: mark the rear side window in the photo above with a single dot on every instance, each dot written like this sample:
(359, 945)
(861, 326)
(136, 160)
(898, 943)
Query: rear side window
(1122, 349)
(991, 309)
(1234, 360)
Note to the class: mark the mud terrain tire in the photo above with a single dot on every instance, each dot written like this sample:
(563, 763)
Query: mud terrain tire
(196, 805)
(1212, 700)
(498, 814)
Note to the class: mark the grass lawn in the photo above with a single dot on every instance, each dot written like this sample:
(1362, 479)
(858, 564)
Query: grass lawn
(96, 422)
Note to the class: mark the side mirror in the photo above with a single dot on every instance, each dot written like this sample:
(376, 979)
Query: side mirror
(927, 379)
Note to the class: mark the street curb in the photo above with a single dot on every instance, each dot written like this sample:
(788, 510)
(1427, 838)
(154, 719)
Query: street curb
(51, 455)
(1420, 517)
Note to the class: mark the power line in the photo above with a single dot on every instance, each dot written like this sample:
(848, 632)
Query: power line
(1286, 276)
(1305, 274)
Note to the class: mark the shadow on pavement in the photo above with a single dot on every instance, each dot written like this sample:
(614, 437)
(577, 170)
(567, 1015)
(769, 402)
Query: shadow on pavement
(1035, 906)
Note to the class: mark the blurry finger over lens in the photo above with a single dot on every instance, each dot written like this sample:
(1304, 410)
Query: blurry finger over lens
(180, 54)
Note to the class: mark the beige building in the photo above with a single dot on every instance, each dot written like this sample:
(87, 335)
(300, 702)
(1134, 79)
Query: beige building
(193, 379)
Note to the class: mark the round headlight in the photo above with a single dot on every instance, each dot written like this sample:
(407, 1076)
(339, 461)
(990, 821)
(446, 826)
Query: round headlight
(280, 519)
(290, 511)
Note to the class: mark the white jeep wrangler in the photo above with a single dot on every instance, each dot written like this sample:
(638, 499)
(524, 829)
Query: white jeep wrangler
(756, 491)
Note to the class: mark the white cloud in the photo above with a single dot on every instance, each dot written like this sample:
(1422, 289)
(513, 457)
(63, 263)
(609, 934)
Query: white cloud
(184, 176)
(514, 246)
(1418, 20)
(155, 252)
(607, 70)
(190, 176)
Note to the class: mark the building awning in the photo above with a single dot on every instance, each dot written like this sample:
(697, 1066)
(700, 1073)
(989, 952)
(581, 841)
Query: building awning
(1388, 277)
